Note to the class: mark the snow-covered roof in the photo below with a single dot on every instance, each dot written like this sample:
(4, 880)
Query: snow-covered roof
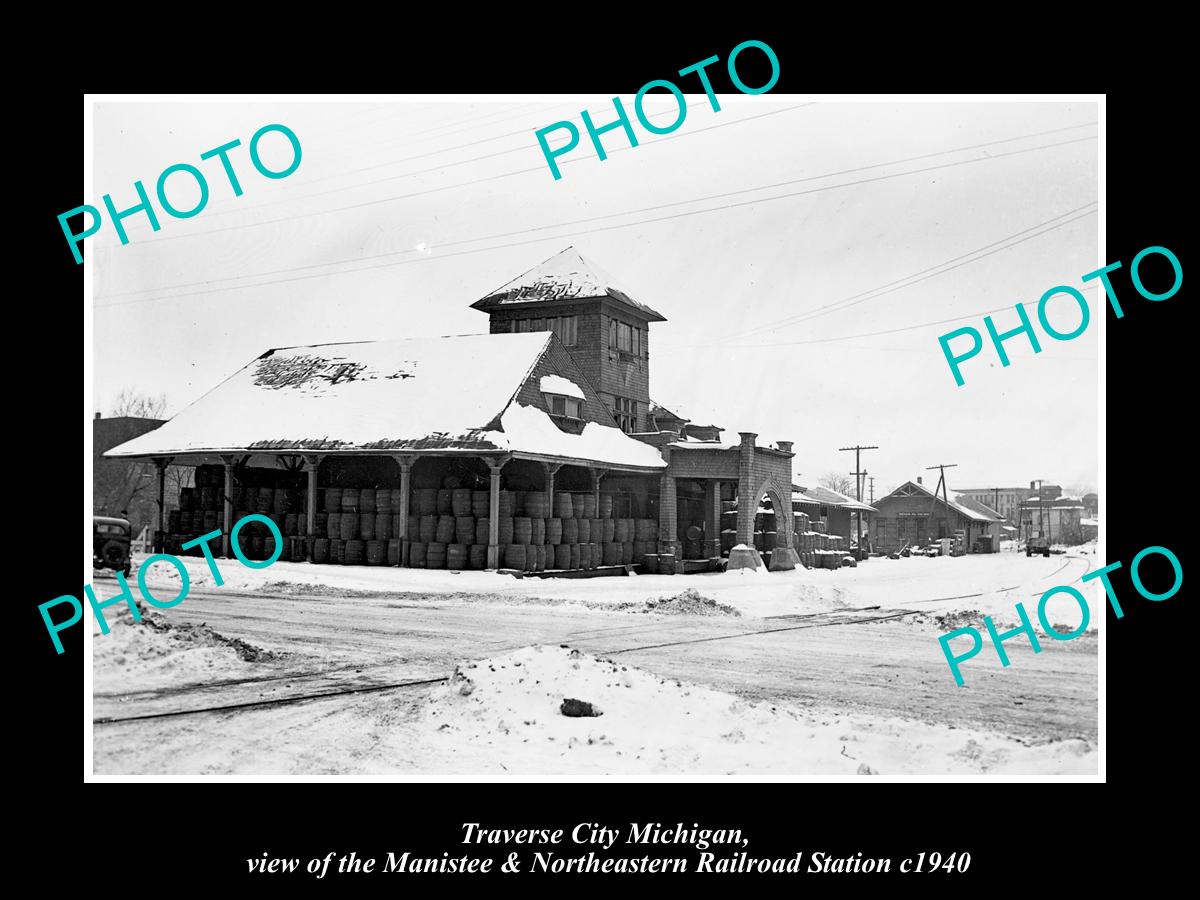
(973, 514)
(564, 276)
(452, 394)
(829, 497)
(556, 384)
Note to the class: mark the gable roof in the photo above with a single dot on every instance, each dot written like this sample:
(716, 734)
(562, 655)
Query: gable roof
(979, 507)
(564, 276)
(829, 497)
(447, 394)
(911, 487)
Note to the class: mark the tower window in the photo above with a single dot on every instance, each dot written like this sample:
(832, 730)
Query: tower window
(626, 414)
(566, 327)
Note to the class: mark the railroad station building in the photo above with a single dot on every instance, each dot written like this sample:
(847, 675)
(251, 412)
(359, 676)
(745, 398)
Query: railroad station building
(535, 446)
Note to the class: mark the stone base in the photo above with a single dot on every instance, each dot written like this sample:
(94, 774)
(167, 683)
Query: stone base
(784, 559)
(744, 557)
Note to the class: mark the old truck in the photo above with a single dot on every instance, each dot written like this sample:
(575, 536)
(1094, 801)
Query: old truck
(110, 544)
(1039, 544)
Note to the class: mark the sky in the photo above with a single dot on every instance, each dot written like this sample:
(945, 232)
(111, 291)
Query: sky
(806, 255)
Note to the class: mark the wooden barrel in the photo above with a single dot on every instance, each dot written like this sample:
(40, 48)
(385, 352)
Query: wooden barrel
(354, 552)
(416, 554)
(477, 556)
(366, 526)
(518, 502)
(537, 531)
(541, 557)
(187, 499)
(728, 539)
(445, 529)
(574, 560)
(622, 530)
(666, 564)
(693, 550)
(514, 556)
(393, 552)
(366, 500)
(577, 505)
(563, 508)
(522, 530)
(320, 523)
(585, 555)
(414, 527)
(481, 504)
(350, 500)
(426, 501)
(376, 553)
(427, 531)
(589, 505)
(584, 530)
(333, 525)
(570, 531)
(505, 529)
(769, 539)
(537, 505)
(285, 500)
(554, 530)
(597, 554)
(605, 509)
(464, 529)
(435, 555)
(597, 531)
(483, 531)
(264, 503)
(608, 529)
(460, 502)
(320, 552)
(506, 504)
(650, 563)
(209, 521)
(383, 526)
(185, 521)
(349, 527)
(445, 504)
(562, 556)
(612, 553)
(291, 524)
(456, 555)
(383, 500)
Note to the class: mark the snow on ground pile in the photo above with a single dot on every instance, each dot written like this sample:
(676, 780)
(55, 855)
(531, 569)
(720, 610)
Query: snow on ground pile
(156, 649)
(688, 603)
(507, 712)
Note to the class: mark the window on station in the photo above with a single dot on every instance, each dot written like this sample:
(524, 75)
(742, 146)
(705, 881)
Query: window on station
(565, 327)
(569, 407)
(626, 414)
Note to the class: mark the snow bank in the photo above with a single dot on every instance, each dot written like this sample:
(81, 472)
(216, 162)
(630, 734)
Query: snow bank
(507, 711)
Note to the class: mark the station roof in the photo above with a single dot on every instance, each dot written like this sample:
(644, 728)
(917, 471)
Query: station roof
(827, 497)
(564, 276)
(450, 394)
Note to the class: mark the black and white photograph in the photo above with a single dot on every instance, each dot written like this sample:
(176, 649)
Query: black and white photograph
(699, 433)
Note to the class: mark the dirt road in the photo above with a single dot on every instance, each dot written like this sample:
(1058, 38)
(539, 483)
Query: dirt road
(831, 660)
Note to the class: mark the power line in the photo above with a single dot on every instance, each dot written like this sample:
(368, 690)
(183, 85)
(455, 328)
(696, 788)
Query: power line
(595, 230)
(874, 293)
(541, 168)
(608, 216)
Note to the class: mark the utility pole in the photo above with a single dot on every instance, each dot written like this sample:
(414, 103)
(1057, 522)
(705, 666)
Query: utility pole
(941, 467)
(858, 473)
(872, 480)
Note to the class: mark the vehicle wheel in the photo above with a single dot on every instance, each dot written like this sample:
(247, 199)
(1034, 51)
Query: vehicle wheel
(1046, 553)
(128, 570)
(1029, 553)
(114, 555)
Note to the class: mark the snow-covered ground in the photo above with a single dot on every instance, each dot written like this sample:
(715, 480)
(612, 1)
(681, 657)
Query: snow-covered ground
(989, 583)
(504, 714)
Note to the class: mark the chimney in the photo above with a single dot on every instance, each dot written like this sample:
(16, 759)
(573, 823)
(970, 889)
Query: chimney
(747, 438)
(919, 480)
(785, 446)
(97, 414)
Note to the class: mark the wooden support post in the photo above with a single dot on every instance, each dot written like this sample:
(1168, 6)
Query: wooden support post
(313, 461)
(161, 463)
(227, 525)
(712, 519)
(493, 553)
(597, 474)
(551, 470)
(405, 462)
